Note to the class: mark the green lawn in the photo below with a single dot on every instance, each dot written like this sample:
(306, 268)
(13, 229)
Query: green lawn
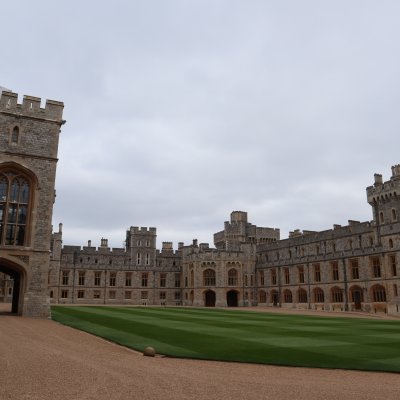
(214, 334)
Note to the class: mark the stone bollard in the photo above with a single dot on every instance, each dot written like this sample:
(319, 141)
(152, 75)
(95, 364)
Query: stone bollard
(149, 352)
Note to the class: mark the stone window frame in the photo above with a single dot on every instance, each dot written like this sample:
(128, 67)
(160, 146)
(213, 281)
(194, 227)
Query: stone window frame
(163, 279)
(209, 277)
(11, 171)
(12, 132)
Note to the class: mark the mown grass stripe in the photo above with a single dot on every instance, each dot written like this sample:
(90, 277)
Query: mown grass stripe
(246, 336)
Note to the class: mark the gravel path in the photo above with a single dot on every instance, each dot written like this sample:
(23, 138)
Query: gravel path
(41, 359)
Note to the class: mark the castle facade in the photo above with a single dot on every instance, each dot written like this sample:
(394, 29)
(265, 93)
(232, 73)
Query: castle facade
(347, 268)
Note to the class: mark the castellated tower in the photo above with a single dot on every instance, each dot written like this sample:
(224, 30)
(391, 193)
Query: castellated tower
(384, 197)
(28, 157)
(141, 246)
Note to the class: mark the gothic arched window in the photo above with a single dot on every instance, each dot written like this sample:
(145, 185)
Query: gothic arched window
(15, 191)
(15, 135)
(209, 277)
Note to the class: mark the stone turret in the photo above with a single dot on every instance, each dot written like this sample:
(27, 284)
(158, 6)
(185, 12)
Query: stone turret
(384, 197)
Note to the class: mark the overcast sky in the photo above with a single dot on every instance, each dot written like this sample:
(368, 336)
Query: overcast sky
(179, 112)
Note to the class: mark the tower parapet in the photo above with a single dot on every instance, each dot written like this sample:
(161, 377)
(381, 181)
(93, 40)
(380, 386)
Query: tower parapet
(30, 107)
(384, 197)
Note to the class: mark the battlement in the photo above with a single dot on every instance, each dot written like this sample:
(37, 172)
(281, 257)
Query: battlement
(30, 107)
(383, 190)
(167, 246)
(142, 230)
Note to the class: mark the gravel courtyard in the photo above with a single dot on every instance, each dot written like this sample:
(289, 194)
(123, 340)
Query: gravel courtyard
(41, 359)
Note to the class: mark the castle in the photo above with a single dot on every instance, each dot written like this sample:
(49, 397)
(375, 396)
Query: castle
(347, 268)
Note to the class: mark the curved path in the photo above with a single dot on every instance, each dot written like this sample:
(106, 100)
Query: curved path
(41, 359)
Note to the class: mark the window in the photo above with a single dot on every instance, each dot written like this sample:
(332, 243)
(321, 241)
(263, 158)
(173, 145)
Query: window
(81, 278)
(393, 264)
(177, 280)
(319, 295)
(381, 218)
(64, 294)
(145, 278)
(287, 276)
(147, 259)
(65, 277)
(395, 290)
(301, 274)
(209, 277)
(163, 295)
(262, 296)
(128, 279)
(14, 208)
(273, 276)
(144, 295)
(379, 293)
(138, 259)
(81, 294)
(335, 270)
(394, 215)
(302, 295)
(376, 267)
(232, 277)
(111, 294)
(113, 276)
(287, 296)
(147, 243)
(337, 295)
(317, 273)
(97, 278)
(177, 295)
(191, 278)
(355, 274)
(262, 279)
(391, 243)
(128, 295)
(163, 280)
(96, 294)
(15, 135)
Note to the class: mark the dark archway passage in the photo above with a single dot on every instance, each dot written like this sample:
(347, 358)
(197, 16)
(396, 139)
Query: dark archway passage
(209, 298)
(15, 273)
(232, 298)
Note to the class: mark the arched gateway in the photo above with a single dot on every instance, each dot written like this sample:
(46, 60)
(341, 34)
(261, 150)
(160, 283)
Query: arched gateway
(18, 274)
(28, 159)
(232, 298)
(209, 298)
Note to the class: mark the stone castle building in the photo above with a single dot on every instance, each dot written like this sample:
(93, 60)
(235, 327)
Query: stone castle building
(28, 158)
(353, 267)
(347, 268)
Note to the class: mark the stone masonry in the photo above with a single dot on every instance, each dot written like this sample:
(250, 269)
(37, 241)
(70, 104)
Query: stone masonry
(28, 158)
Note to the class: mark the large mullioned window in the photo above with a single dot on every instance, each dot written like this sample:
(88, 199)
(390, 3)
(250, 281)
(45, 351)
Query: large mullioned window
(14, 208)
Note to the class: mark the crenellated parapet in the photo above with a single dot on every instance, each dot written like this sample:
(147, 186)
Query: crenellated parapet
(142, 230)
(382, 191)
(30, 107)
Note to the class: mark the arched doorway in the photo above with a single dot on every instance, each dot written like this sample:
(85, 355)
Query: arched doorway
(209, 298)
(16, 273)
(356, 295)
(232, 298)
